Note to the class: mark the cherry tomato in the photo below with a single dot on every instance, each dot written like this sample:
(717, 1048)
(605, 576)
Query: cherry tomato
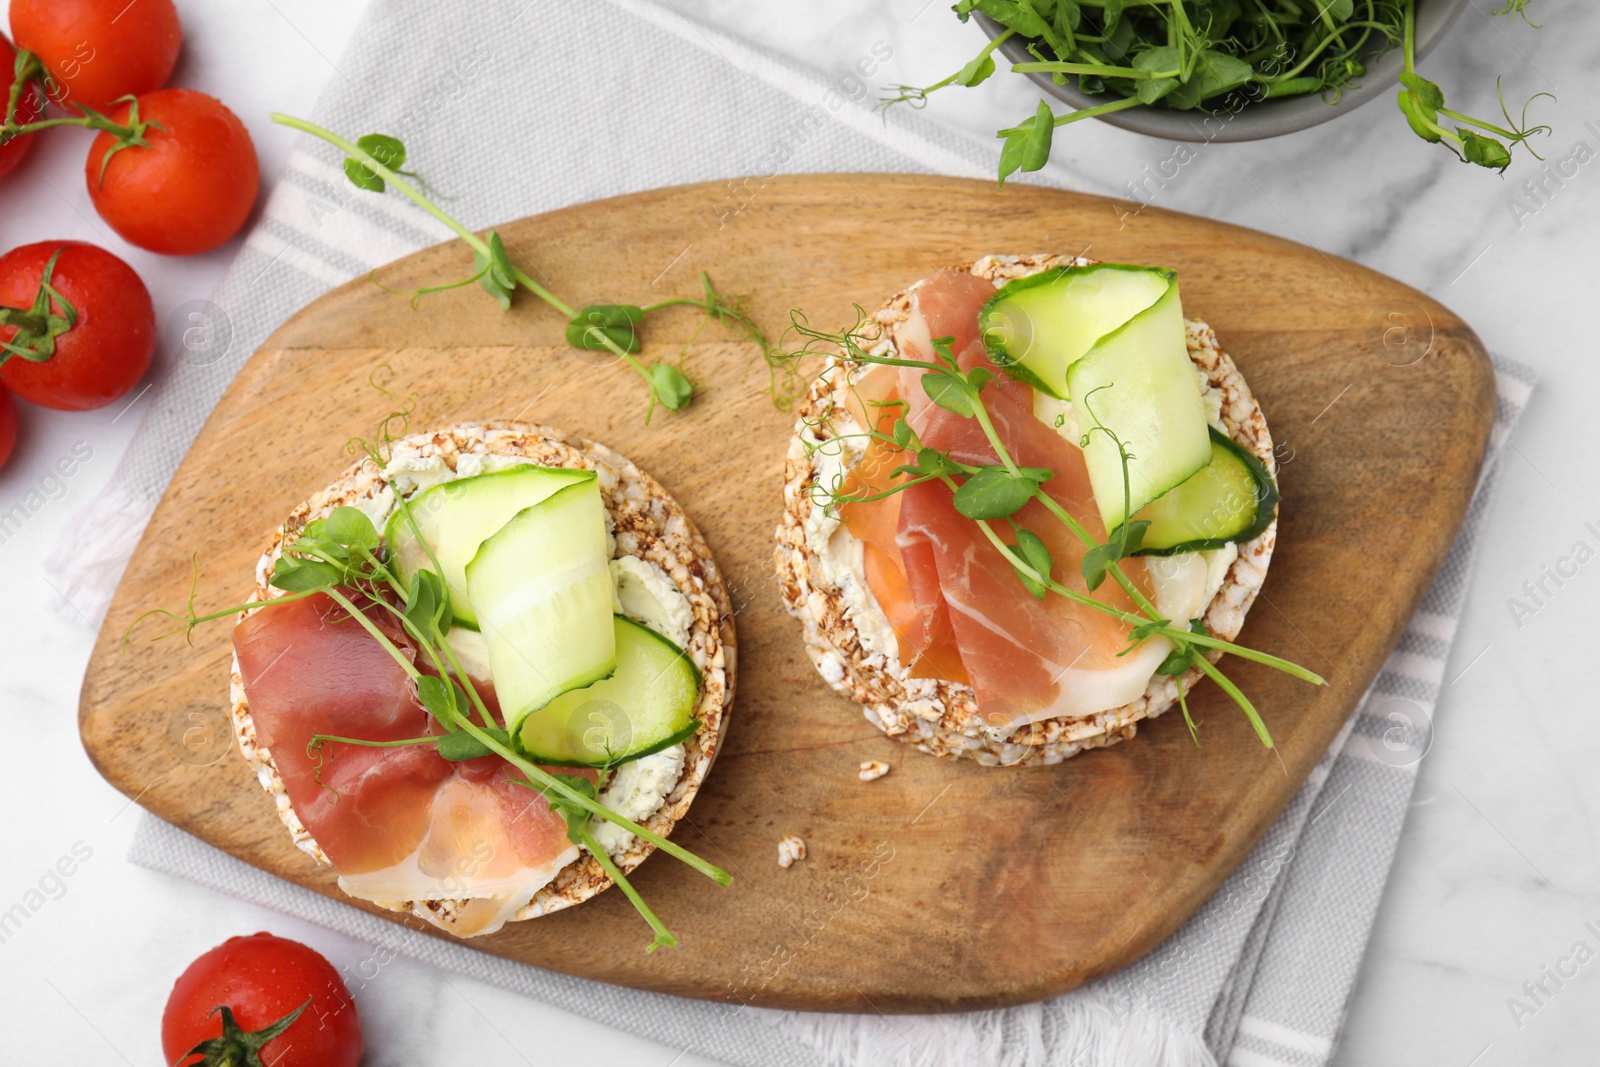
(8, 424)
(261, 979)
(99, 50)
(97, 358)
(30, 108)
(190, 188)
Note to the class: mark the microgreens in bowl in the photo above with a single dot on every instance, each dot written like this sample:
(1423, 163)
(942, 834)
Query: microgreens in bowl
(1195, 55)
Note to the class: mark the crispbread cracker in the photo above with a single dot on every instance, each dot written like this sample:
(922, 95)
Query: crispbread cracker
(648, 523)
(941, 717)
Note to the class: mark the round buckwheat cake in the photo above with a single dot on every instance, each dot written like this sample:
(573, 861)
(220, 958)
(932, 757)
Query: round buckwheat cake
(644, 523)
(843, 624)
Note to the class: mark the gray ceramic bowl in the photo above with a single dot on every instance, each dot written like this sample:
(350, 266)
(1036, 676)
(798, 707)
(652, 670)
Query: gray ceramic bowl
(1255, 120)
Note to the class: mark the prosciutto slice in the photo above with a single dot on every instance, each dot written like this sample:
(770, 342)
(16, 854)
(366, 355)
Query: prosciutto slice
(948, 592)
(402, 823)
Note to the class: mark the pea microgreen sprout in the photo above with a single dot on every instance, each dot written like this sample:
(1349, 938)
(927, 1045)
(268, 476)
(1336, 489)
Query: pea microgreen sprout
(1173, 55)
(784, 383)
(611, 328)
(990, 493)
(974, 73)
(1476, 141)
(343, 558)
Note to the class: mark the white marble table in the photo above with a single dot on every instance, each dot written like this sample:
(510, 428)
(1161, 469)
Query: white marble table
(1497, 871)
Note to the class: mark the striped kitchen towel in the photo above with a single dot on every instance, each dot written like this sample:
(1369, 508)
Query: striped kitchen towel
(1259, 976)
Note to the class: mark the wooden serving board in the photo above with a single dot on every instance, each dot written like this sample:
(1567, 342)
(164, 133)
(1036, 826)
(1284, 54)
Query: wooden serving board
(942, 886)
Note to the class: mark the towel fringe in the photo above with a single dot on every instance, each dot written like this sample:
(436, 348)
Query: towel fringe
(88, 561)
(1072, 1033)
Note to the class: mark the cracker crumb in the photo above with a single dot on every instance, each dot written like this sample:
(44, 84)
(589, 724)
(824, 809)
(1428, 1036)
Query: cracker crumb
(873, 769)
(791, 850)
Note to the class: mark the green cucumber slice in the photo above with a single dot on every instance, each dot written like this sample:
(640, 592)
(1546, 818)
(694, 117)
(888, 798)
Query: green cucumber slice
(1036, 327)
(542, 588)
(457, 517)
(646, 706)
(1232, 498)
(1139, 383)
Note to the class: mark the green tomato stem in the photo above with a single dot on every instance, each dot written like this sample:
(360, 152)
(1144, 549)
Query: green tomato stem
(89, 122)
(31, 69)
(24, 321)
(25, 69)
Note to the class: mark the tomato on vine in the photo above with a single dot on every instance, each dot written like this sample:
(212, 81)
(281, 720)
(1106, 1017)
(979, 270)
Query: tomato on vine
(260, 1000)
(77, 328)
(95, 52)
(177, 174)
